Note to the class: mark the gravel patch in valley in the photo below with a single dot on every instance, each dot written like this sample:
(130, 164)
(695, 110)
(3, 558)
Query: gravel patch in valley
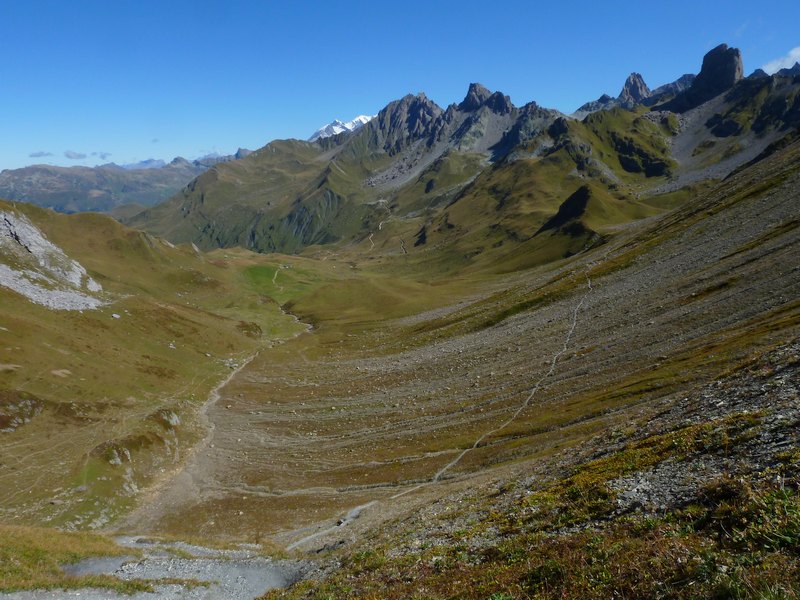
(232, 574)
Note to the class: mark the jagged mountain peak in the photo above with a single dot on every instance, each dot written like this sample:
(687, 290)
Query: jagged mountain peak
(477, 95)
(722, 69)
(410, 118)
(790, 72)
(499, 103)
(634, 91)
(409, 107)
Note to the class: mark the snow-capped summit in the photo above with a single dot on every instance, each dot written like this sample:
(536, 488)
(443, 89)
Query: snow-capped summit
(338, 127)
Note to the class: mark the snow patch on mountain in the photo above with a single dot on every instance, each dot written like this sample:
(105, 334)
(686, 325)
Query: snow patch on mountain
(39, 270)
(338, 127)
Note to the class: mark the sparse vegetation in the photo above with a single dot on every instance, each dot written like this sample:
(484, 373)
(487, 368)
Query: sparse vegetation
(31, 558)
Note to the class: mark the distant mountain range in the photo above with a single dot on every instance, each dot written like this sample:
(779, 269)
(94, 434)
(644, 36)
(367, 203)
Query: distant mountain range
(484, 173)
(449, 176)
(634, 92)
(106, 187)
(337, 127)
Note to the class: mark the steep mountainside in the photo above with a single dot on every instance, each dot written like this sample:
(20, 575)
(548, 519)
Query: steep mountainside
(480, 178)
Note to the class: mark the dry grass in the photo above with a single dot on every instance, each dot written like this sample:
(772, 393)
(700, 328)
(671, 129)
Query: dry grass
(31, 558)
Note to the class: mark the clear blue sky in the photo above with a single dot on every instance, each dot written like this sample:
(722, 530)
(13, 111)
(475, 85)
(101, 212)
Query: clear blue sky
(142, 79)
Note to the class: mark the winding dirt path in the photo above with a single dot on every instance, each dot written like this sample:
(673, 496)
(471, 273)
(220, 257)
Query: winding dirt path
(178, 485)
(351, 516)
(152, 505)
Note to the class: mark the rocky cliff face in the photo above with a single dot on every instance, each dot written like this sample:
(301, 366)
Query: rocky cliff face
(36, 268)
(401, 122)
(477, 95)
(634, 92)
(722, 69)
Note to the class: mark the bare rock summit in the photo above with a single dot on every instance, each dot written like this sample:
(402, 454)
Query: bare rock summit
(634, 92)
(477, 95)
(722, 69)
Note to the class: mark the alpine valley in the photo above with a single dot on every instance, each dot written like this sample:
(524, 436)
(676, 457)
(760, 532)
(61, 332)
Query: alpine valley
(481, 351)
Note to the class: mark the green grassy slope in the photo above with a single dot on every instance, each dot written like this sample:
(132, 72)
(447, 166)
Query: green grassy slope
(112, 400)
(495, 219)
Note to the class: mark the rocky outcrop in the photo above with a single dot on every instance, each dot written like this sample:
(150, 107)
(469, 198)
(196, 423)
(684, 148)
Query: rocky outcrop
(37, 269)
(17, 408)
(478, 96)
(499, 103)
(531, 122)
(402, 122)
(570, 211)
(722, 69)
(634, 92)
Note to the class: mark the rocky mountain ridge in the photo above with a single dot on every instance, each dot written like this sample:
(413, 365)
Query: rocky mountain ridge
(416, 159)
(722, 69)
